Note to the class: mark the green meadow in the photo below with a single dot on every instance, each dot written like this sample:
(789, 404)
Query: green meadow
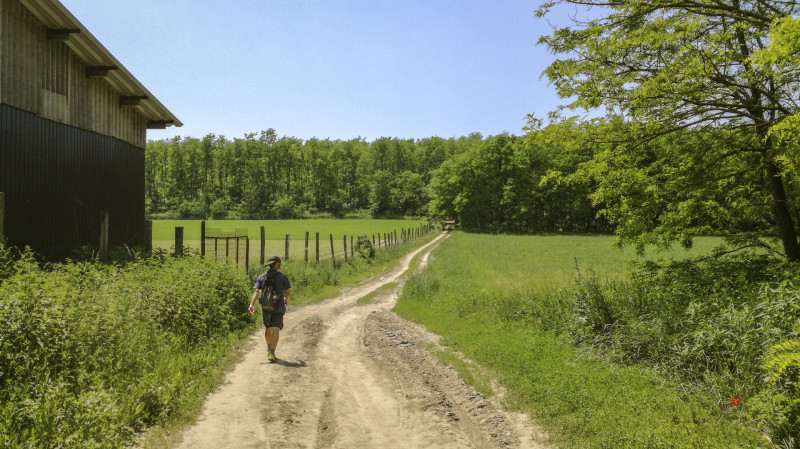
(277, 229)
(505, 302)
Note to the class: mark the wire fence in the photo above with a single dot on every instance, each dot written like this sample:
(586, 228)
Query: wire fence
(234, 245)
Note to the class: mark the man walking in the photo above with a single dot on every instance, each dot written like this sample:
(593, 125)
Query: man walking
(273, 321)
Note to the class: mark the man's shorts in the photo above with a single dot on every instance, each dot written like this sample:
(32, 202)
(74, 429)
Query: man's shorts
(272, 319)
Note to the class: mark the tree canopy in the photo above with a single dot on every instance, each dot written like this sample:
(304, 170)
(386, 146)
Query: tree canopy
(663, 67)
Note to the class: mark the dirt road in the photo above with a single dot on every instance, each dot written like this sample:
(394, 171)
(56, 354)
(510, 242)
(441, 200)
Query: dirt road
(352, 375)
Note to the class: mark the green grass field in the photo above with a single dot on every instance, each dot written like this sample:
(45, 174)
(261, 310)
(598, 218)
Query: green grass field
(277, 229)
(492, 297)
(275, 232)
(541, 264)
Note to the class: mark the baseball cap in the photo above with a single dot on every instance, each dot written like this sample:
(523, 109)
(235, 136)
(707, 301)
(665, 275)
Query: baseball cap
(272, 260)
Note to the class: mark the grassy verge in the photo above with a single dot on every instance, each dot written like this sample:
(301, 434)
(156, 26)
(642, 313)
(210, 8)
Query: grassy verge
(412, 266)
(500, 301)
(473, 374)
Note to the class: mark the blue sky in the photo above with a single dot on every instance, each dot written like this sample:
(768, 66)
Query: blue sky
(332, 69)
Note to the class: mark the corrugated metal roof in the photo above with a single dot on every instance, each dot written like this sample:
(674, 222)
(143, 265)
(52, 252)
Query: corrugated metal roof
(56, 16)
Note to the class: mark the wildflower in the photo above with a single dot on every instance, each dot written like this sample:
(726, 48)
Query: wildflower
(735, 401)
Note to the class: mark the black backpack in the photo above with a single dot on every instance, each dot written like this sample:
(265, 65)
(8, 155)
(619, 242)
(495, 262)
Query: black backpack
(269, 292)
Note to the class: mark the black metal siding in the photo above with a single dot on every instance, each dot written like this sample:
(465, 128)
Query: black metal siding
(59, 180)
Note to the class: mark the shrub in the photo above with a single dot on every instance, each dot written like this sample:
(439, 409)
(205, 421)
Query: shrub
(89, 353)
(283, 207)
(192, 210)
(777, 408)
(219, 209)
(709, 323)
(364, 248)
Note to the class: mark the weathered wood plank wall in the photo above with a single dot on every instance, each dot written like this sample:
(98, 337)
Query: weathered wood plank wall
(46, 77)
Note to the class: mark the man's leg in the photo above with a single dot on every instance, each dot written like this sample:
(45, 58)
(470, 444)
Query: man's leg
(273, 334)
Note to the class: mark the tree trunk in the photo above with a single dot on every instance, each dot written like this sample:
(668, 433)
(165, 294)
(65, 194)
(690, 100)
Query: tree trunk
(783, 218)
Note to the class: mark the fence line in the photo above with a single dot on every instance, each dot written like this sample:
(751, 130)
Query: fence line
(212, 240)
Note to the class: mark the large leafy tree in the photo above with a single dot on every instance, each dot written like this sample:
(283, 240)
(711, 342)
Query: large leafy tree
(666, 66)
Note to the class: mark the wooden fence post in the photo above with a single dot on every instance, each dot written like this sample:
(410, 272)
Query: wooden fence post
(104, 250)
(286, 253)
(2, 217)
(333, 257)
(263, 244)
(344, 241)
(373, 239)
(247, 255)
(202, 237)
(306, 256)
(352, 254)
(317, 246)
(148, 236)
(178, 240)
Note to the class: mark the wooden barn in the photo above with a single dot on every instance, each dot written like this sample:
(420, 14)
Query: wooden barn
(73, 124)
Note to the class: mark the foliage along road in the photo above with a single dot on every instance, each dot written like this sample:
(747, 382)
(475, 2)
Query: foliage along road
(353, 375)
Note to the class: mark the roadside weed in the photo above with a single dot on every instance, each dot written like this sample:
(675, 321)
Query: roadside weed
(508, 302)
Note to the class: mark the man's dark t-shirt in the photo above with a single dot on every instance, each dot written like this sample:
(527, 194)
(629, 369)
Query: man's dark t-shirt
(281, 284)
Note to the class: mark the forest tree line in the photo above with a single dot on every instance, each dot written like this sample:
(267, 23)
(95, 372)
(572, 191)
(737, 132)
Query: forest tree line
(565, 175)
(489, 183)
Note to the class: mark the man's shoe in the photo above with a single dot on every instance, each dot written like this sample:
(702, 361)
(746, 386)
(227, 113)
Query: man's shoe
(271, 356)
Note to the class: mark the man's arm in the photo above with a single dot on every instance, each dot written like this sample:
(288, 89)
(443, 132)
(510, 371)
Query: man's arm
(252, 309)
(286, 295)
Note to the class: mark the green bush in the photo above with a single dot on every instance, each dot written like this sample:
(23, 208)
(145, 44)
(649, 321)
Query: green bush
(192, 210)
(708, 323)
(219, 209)
(480, 293)
(710, 319)
(364, 248)
(90, 353)
(777, 407)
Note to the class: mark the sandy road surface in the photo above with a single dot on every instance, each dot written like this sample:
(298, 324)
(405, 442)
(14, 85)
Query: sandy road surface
(352, 376)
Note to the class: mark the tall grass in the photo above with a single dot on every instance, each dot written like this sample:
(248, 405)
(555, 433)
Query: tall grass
(708, 324)
(508, 302)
